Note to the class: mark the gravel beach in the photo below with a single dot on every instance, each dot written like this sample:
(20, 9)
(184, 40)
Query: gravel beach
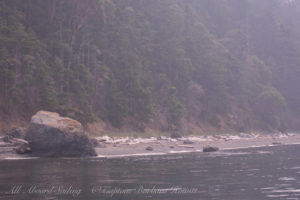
(127, 146)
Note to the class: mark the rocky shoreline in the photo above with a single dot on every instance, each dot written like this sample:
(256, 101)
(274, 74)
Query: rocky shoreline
(106, 146)
(118, 147)
(51, 135)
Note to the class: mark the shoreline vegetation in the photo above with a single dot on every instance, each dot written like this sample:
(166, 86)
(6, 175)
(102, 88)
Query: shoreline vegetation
(193, 66)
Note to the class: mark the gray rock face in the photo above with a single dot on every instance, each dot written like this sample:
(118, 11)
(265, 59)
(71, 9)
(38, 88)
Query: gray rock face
(51, 135)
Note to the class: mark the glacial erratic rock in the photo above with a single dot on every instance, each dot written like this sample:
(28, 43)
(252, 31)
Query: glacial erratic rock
(210, 149)
(51, 135)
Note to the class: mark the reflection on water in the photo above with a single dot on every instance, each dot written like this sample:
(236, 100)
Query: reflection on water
(266, 173)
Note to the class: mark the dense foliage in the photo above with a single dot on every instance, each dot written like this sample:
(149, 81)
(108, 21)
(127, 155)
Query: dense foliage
(227, 64)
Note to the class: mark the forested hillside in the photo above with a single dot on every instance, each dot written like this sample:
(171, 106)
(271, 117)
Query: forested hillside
(189, 65)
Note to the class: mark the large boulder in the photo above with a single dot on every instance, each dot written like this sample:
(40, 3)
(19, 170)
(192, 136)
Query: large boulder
(51, 135)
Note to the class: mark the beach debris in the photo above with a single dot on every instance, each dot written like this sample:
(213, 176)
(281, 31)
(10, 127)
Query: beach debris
(14, 141)
(127, 140)
(20, 146)
(244, 135)
(186, 146)
(16, 145)
(210, 149)
(23, 149)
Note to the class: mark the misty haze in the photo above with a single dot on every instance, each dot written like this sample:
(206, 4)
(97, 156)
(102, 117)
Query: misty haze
(150, 99)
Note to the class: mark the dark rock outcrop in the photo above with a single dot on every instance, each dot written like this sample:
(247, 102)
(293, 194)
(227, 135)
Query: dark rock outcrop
(210, 149)
(51, 135)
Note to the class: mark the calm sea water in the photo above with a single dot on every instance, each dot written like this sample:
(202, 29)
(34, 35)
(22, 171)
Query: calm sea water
(254, 174)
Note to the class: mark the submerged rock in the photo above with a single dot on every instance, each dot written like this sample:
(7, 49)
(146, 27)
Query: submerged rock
(210, 149)
(51, 135)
